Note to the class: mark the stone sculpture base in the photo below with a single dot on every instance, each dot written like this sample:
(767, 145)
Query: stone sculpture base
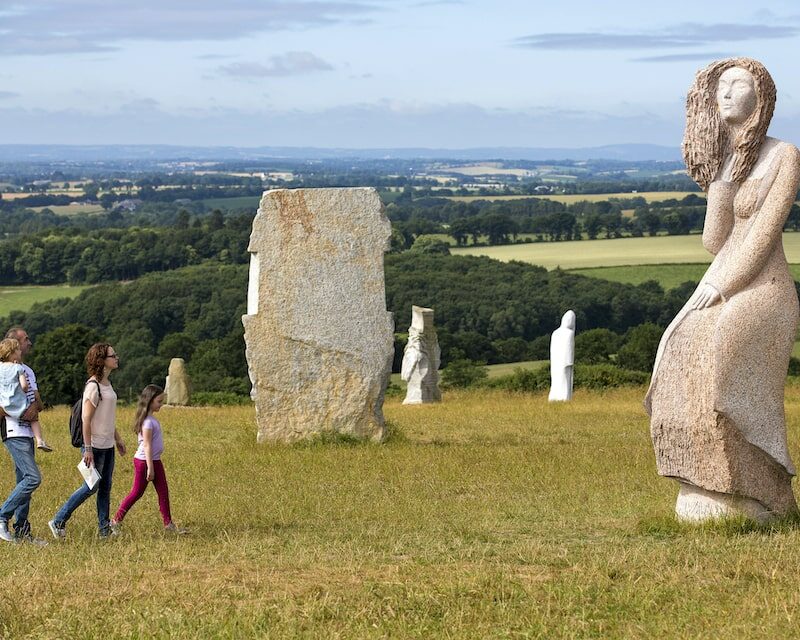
(698, 505)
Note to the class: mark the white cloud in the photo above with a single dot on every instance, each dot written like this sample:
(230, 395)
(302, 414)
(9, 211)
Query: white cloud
(688, 34)
(685, 57)
(46, 27)
(293, 63)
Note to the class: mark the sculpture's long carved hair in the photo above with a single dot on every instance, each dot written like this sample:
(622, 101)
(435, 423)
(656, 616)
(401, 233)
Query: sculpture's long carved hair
(706, 140)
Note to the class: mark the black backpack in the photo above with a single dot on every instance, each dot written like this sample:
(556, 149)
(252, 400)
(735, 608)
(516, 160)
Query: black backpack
(76, 417)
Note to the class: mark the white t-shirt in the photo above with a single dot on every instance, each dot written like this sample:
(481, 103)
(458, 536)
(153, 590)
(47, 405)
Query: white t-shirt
(21, 428)
(104, 419)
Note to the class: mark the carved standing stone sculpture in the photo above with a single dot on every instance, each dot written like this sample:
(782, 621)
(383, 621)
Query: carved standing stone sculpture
(421, 359)
(319, 339)
(178, 387)
(716, 396)
(562, 359)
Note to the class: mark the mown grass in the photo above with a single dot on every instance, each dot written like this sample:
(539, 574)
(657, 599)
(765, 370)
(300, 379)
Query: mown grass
(584, 254)
(488, 516)
(23, 297)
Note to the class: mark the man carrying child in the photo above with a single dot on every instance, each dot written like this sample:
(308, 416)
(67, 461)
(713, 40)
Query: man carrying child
(18, 438)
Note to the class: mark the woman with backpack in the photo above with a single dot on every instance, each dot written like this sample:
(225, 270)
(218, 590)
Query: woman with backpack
(100, 436)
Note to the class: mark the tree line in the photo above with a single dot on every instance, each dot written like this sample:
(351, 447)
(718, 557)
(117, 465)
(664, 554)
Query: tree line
(503, 222)
(486, 311)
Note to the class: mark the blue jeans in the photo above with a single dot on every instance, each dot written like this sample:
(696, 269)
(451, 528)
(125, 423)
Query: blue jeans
(104, 463)
(28, 479)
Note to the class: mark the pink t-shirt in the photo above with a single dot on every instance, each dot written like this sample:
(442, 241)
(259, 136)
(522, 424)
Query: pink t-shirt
(156, 444)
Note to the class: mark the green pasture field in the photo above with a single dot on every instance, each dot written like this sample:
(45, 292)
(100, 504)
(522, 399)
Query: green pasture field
(650, 196)
(668, 275)
(22, 298)
(238, 202)
(488, 516)
(584, 254)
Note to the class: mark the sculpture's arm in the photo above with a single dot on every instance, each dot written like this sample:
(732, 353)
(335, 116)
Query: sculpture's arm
(749, 258)
(719, 215)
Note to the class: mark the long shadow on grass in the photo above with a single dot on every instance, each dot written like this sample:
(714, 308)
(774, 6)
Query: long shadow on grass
(669, 526)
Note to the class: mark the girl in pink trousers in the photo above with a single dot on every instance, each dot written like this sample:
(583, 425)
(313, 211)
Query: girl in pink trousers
(147, 466)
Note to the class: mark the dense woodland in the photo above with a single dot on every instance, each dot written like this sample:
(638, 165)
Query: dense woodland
(486, 311)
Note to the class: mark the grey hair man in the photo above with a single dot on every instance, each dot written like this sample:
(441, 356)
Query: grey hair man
(18, 439)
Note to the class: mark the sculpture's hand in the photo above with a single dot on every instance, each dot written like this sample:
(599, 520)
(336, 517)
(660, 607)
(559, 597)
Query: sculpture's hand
(706, 296)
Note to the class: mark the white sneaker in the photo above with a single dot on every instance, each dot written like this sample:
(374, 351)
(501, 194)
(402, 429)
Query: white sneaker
(58, 532)
(4, 533)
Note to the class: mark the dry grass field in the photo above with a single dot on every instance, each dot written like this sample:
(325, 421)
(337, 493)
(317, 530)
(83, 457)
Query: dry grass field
(72, 209)
(487, 169)
(489, 516)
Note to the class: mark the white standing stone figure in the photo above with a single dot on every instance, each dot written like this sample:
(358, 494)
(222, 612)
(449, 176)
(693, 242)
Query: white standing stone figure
(717, 391)
(562, 359)
(319, 340)
(421, 359)
(178, 387)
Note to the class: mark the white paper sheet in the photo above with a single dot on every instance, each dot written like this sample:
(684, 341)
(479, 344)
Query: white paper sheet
(89, 474)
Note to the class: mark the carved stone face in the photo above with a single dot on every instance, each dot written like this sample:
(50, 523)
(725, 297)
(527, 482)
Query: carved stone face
(736, 95)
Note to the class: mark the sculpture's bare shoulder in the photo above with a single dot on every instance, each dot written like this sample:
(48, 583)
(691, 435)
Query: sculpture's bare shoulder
(789, 158)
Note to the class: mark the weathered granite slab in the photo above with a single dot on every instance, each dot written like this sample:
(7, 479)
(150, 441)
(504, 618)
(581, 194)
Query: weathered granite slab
(319, 338)
(178, 386)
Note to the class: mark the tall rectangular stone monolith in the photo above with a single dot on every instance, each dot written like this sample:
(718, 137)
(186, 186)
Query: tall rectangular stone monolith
(319, 338)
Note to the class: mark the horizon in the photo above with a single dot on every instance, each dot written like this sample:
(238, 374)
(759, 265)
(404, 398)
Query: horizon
(48, 153)
(373, 74)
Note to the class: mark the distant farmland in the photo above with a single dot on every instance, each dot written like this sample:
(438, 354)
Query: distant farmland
(585, 254)
(668, 275)
(24, 297)
(649, 196)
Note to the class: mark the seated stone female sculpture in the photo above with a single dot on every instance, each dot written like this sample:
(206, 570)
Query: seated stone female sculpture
(717, 391)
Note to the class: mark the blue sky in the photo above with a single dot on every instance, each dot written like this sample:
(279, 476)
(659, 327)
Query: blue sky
(376, 73)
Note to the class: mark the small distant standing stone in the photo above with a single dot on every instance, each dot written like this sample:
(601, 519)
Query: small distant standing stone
(421, 359)
(562, 359)
(178, 389)
(319, 338)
